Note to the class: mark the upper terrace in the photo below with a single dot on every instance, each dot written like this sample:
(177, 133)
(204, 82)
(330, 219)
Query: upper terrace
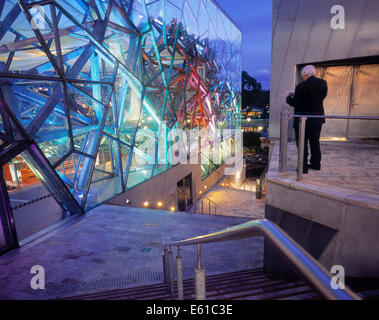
(334, 212)
(350, 172)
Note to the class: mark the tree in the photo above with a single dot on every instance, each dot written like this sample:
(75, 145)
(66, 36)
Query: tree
(252, 93)
(249, 83)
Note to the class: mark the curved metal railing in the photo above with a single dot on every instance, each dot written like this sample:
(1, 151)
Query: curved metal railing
(301, 261)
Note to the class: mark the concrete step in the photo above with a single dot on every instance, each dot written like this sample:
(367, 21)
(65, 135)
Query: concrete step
(241, 285)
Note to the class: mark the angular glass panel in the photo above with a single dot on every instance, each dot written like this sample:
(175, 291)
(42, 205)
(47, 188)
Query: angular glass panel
(20, 50)
(111, 123)
(140, 170)
(30, 98)
(189, 20)
(106, 179)
(155, 10)
(34, 205)
(67, 168)
(95, 90)
(86, 117)
(119, 43)
(173, 12)
(53, 134)
(144, 152)
(137, 15)
(128, 102)
(207, 166)
(92, 65)
(81, 176)
(125, 154)
(74, 172)
(76, 13)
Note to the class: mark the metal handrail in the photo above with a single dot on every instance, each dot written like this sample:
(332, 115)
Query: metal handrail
(335, 117)
(303, 118)
(293, 253)
(214, 203)
(209, 205)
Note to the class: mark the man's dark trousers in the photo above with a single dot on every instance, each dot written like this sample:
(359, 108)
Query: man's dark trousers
(312, 134)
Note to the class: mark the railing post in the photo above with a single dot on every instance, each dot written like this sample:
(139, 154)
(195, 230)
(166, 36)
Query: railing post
(179, 275)
(258, 188)
(283, 146)
(209, 207)
(200, 290)
(202, 206)
(171, 274)
(301, 145)
(165, 266)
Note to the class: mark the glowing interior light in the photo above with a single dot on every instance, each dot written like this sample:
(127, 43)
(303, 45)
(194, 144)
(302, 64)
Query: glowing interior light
(172, 209)
(333, 139)
(160, 204)
(175, 84)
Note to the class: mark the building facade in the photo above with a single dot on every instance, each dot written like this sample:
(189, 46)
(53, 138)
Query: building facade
(95, 96)
(340, 38)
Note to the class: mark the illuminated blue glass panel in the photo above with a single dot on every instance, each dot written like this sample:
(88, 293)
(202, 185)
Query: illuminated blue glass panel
(86, 79)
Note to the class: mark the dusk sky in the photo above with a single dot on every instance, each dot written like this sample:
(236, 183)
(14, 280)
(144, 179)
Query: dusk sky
(254, 17)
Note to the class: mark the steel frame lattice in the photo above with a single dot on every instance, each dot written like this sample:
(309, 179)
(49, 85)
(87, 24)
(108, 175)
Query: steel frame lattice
(81, 79)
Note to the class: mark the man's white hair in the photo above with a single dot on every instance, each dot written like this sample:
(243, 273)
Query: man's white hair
(308, 70)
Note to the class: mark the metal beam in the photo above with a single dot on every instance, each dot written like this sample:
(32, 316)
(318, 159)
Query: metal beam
(6, 216)
(44, 113)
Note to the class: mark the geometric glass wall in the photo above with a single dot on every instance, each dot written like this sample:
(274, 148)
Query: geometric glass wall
(85, 86)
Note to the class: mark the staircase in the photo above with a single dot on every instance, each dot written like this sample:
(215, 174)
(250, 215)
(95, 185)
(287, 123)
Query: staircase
(241, 285)
(206, 206)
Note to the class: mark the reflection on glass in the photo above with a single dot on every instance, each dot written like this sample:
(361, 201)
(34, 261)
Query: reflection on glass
(153, 68)
(106, 179)
(24, 187)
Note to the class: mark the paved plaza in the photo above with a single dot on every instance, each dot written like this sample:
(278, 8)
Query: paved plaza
(119, 247)
(234, 202)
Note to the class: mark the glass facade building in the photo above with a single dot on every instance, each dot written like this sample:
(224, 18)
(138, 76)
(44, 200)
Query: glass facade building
(86, 86)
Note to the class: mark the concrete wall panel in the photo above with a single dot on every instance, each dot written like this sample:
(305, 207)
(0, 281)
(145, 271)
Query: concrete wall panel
(303, 34)
(354, 246)
(319, 39)
(366, 42)
(342, 40)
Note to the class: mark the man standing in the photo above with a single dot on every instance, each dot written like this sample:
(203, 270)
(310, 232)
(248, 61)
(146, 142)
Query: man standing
(308, 100)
